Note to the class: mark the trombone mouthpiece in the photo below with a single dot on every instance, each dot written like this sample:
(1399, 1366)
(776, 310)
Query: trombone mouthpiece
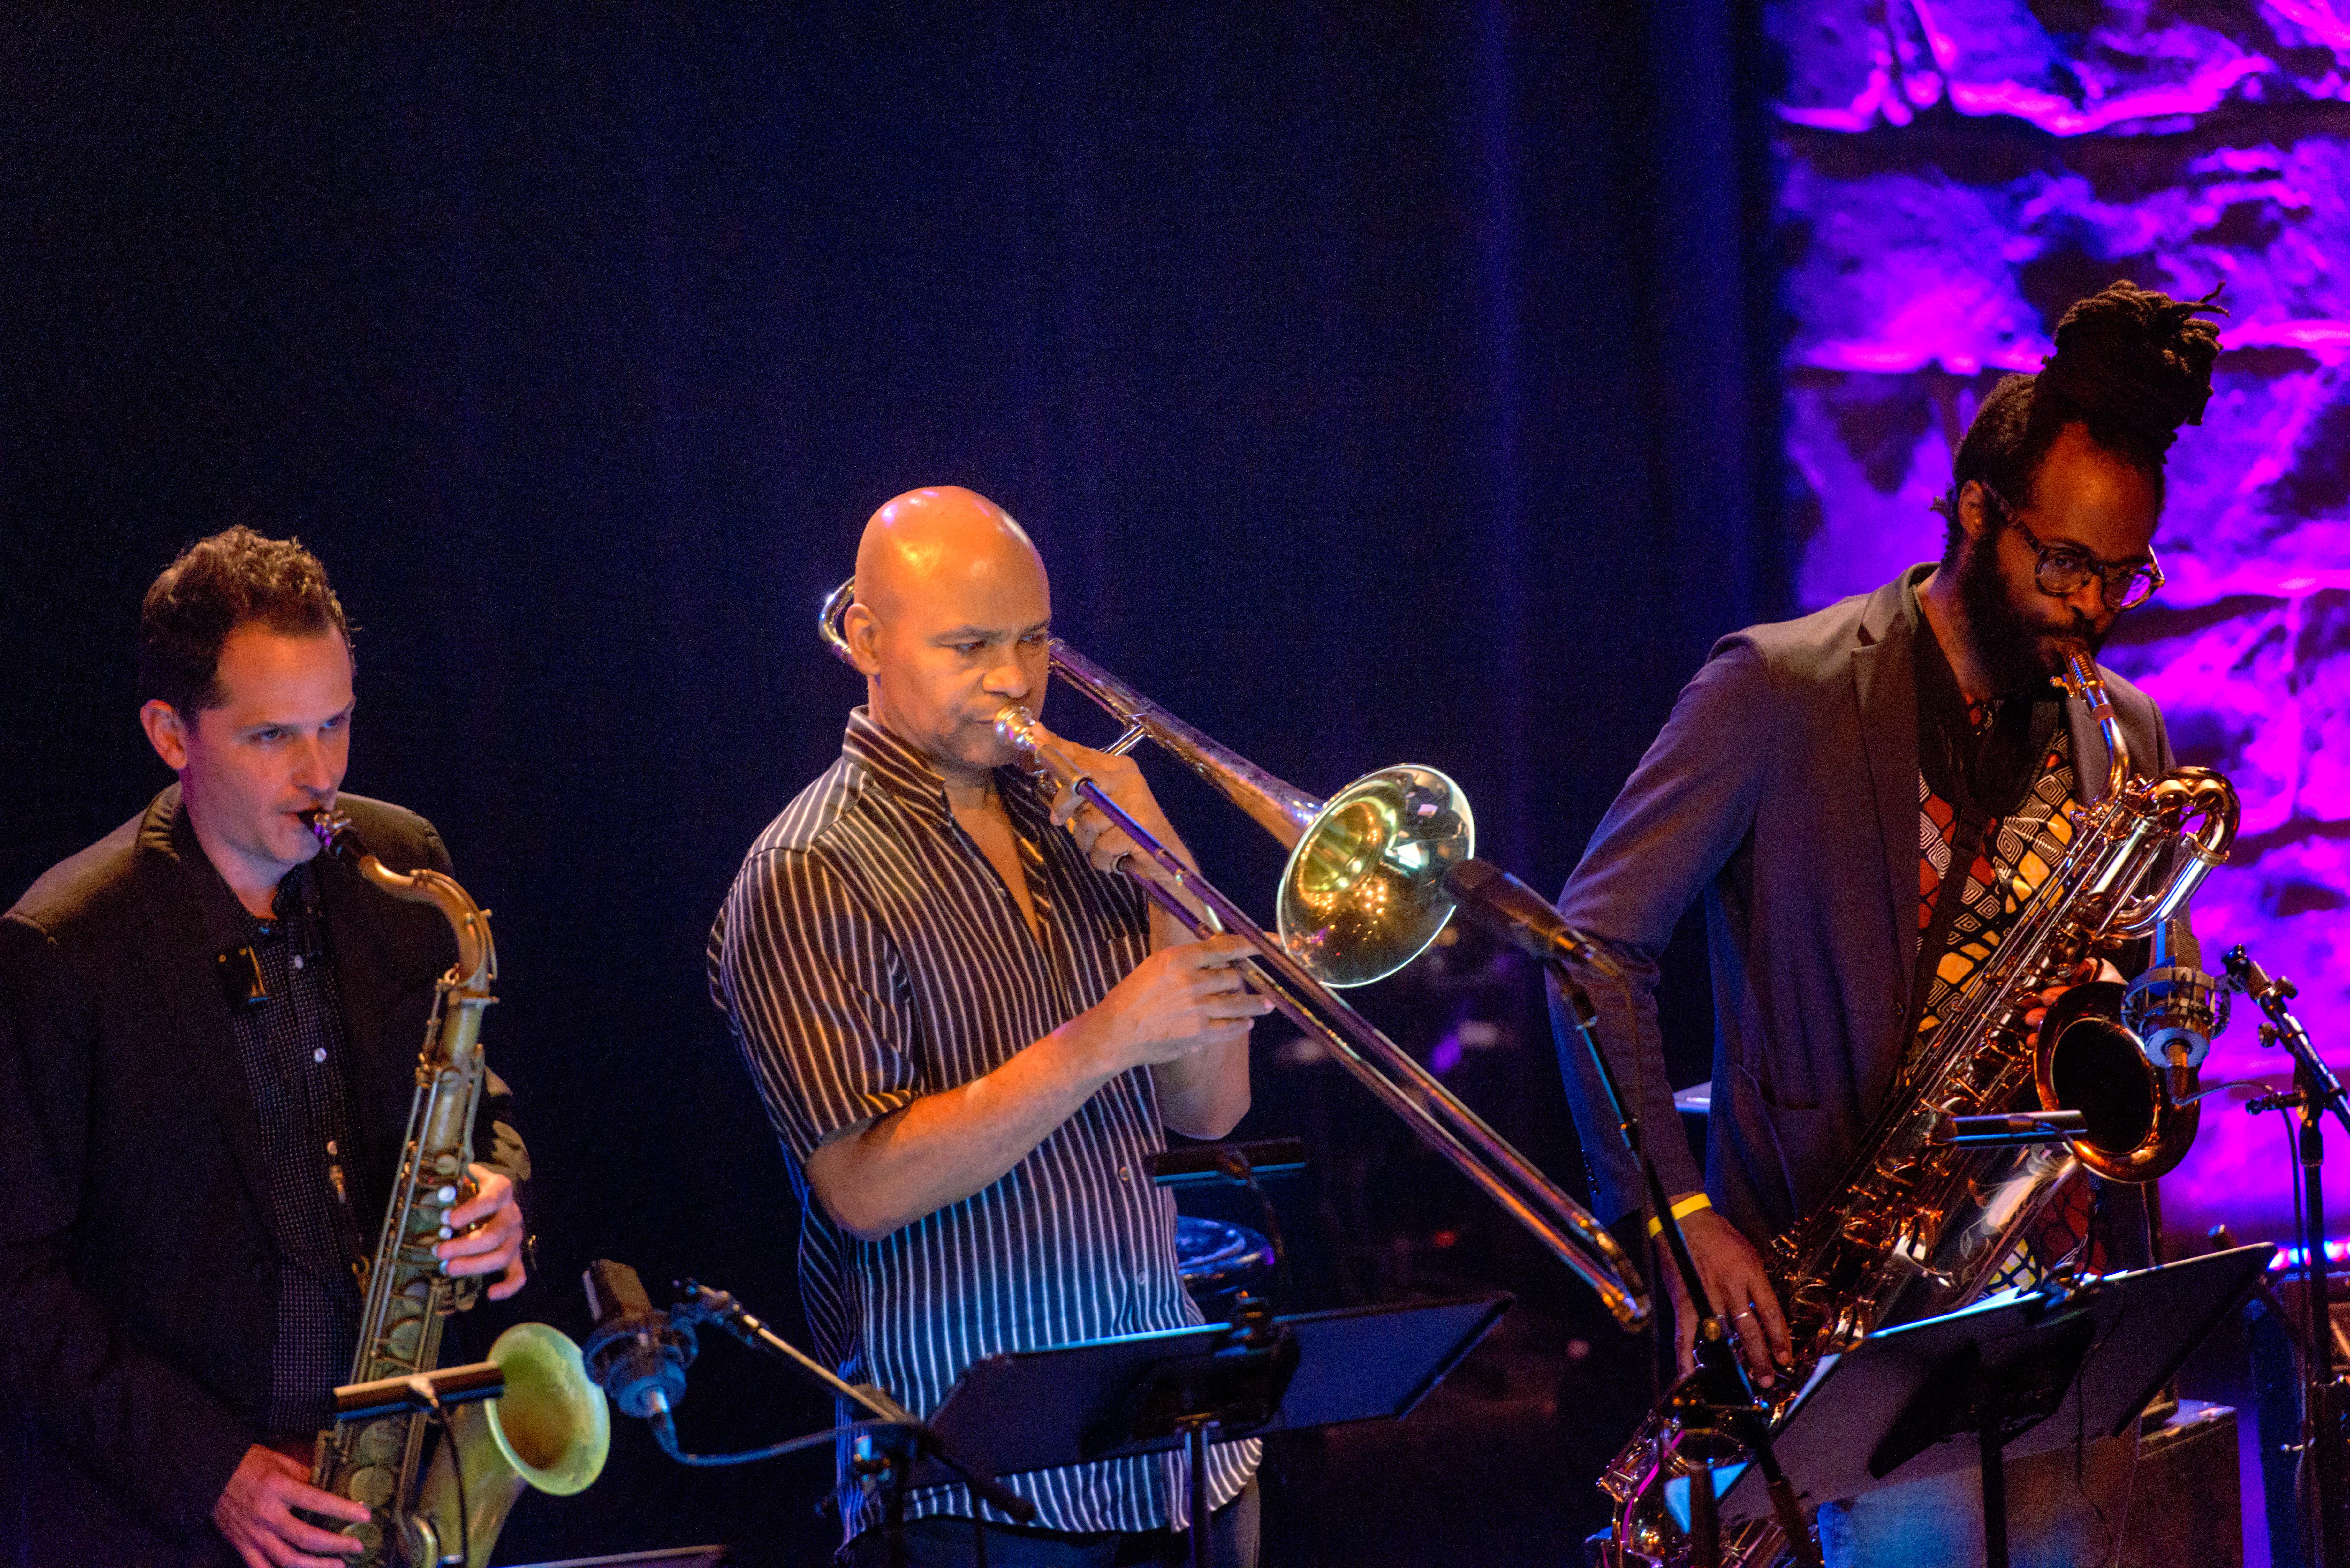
(1017, 727)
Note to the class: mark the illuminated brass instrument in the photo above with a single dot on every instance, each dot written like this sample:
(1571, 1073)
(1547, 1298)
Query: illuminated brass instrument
(1921, 1227)
(1361, 897)
(550, 1428)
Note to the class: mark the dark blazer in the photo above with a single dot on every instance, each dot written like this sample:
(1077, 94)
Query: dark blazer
(1785, 790)
(137, 1270)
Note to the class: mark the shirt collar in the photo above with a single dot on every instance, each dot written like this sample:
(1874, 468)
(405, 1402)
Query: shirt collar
(910, 776)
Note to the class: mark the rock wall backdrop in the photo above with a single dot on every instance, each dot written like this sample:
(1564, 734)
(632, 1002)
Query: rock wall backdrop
(1955, 174)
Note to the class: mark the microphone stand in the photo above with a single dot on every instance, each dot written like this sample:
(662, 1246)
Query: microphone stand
(907, 1440)
(1716, 1400)
(2315, 1091)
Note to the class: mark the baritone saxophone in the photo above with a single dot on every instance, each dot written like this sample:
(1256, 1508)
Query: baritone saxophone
(550, 1429)
(1921, 1227)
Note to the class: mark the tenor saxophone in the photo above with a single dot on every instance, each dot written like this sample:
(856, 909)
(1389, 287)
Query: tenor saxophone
(1919, 1227)
(554, 1429)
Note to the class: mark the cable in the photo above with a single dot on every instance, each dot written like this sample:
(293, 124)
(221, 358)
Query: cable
(665, 1434)
(423, 1389)
(1235, 1167)
(2303, 1511)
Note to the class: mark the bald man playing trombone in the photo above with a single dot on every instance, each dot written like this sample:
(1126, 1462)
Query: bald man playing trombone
(970, 1030)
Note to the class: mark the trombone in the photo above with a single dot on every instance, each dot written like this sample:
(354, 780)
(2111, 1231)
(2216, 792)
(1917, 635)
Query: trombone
(1361, 897)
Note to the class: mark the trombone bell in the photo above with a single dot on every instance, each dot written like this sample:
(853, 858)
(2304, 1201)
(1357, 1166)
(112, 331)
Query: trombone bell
(1363, 893)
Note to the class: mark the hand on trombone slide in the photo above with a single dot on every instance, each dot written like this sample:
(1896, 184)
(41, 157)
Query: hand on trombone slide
(1107, 845)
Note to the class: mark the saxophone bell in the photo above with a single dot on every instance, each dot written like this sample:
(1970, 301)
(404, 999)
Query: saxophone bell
(549, 1429)
(2126, 1057)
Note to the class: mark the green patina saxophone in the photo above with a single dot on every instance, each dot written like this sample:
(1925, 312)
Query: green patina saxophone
(550, 1428)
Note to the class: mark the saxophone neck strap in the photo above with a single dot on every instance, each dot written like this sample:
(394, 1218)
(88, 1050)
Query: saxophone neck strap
(1966, 844)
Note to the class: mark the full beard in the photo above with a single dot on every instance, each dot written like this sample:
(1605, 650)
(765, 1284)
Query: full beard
(2016, 650)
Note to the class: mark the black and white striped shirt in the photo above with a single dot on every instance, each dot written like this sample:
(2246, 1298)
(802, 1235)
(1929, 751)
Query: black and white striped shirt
(868, 954)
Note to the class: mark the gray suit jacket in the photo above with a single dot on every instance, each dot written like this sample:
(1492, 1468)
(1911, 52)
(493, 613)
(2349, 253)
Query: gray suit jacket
(1784, 789)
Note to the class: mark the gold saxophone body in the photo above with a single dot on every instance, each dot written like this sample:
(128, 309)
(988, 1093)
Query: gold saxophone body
(550, 1428)
(1921, 1228)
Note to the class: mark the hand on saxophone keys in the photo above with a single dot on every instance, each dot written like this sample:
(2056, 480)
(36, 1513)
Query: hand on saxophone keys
(256, 1513)
(1738, 1289)
(487, 1233)
(2084, 972)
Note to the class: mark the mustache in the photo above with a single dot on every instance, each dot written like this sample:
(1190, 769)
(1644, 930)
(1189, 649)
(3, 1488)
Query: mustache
(2080, 628)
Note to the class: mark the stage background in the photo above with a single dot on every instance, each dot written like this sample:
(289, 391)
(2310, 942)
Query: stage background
(1956, 175)
(1427, 383)
(1380, 386)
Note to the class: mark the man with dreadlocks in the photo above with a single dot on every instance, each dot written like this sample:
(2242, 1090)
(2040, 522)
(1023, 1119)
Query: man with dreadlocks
(1819, 779)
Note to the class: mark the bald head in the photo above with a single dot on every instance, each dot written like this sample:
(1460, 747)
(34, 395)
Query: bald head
(940, 542)
(951, 622)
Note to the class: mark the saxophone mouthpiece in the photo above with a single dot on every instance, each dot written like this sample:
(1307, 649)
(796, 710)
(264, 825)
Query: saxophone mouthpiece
(334, 833)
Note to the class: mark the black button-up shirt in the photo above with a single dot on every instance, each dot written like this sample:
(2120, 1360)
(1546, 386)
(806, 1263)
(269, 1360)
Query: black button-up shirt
(289, 1045)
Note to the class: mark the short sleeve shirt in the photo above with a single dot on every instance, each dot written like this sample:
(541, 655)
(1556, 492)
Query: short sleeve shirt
(868, 954)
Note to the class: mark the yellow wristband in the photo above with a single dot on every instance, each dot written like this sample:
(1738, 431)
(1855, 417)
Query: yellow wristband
(1682, 1210)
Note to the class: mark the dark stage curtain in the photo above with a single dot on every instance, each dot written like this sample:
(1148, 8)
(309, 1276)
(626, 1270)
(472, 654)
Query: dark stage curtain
(1381, 383)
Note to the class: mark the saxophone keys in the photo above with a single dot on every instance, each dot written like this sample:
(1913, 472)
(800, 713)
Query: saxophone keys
(372, 1485)
(380, 1442)
(371, 1539)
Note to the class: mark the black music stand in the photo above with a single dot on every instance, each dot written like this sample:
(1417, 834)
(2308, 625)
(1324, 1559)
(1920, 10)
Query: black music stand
(1144, 1393)
(2013, 1375)
(667, 1557)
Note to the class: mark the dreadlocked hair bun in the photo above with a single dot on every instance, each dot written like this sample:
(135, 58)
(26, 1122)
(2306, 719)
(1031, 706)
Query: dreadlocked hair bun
(2136, 364)
(2131, 365)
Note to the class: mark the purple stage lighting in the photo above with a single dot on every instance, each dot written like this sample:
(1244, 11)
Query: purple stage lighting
(1956, 173)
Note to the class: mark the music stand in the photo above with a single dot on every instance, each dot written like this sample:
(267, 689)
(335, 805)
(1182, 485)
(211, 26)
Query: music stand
(1145, 1393)
(2012, 1375)
(667, 1557)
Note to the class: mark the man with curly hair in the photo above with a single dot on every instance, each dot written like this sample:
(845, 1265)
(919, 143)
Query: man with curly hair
(207, 1052)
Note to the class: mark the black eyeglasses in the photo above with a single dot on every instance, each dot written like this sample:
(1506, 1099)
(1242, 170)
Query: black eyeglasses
(2062, 568)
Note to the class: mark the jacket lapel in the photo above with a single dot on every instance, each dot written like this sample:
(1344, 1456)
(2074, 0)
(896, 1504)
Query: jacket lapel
(1885, 684)
(180, 948)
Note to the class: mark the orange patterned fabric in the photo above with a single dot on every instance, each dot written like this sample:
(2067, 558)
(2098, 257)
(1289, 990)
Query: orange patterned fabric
(2017, 853)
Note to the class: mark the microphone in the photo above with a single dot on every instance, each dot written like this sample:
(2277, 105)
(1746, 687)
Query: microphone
(1521, 917)
(420, 1391)
(2174, 1008)
(638, 1354)
(2001, 1131)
